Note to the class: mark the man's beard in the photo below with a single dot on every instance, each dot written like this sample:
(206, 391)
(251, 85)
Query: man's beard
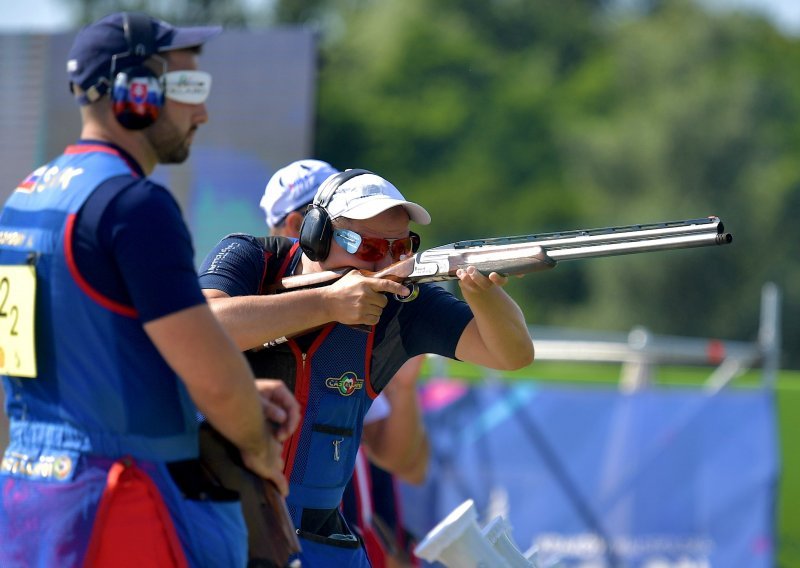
(171, 146)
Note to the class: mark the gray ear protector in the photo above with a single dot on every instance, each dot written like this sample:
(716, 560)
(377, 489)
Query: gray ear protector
(316, 231)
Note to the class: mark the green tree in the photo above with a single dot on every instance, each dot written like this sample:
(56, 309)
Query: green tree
(670, 129)
(233, 13)
(518, 117)
(510, 117)
(454, 102)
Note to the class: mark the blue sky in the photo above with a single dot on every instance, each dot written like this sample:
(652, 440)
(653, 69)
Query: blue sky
(785, 13)
(54, 15)
(34, 15)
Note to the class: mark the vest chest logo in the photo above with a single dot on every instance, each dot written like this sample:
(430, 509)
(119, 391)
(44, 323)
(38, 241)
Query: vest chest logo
(48, 178)
(347, 384)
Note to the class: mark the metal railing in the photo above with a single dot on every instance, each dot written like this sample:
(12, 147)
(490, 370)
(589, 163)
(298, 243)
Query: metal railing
(640, 350)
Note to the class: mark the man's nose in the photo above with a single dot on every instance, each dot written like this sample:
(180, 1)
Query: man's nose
(201, 116)
(385, 261)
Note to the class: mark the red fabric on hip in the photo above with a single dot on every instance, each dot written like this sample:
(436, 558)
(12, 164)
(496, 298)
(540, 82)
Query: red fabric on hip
(133, 527)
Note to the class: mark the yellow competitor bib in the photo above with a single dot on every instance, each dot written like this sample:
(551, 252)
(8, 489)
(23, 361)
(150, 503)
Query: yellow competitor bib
(17, 309)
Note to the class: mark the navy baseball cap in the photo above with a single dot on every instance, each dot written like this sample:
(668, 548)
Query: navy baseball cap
(95, 45)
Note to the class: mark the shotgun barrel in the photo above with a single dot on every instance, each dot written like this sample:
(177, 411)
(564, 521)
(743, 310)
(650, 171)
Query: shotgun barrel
(523, 254)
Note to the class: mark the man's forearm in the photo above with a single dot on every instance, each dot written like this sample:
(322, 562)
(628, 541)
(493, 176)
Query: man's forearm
(234, 410)
(399, 444)
(254, 320)
(215, 373)
(502, 330)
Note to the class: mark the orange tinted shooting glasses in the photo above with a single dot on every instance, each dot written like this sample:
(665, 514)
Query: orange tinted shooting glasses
(373, 249)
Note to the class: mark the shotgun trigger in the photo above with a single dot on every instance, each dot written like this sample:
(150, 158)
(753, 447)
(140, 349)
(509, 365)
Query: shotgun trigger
(412, 296)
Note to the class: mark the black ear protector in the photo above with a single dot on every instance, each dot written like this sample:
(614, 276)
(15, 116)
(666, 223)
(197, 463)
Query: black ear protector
(316, 231)
(137, 93)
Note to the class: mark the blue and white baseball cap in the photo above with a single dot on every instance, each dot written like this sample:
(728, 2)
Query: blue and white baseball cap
(292, 187)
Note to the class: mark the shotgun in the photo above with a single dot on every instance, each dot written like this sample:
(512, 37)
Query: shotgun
(271, 537)
(523, 254)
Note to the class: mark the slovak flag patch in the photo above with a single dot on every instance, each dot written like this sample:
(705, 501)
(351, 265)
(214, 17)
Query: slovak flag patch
(29, 183)
(138, 90)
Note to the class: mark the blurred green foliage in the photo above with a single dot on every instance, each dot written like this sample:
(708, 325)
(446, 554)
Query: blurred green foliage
(508, 117)
(512, 117)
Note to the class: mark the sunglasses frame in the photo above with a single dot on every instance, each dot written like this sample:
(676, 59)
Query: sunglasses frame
(351, 241)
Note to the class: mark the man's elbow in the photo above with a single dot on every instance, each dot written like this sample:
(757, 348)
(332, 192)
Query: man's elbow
(416, 476)
(530, 355)
(520, 357)
(416, 471)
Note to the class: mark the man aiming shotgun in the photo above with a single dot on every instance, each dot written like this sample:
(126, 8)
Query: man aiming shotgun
(361, 221)
(336, 370)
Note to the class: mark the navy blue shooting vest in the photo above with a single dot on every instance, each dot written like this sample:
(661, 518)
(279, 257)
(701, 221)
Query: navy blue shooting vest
(101, 387)
(330, 379)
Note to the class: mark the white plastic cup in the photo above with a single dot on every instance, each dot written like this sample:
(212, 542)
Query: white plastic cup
(498, 534)
(457, 542)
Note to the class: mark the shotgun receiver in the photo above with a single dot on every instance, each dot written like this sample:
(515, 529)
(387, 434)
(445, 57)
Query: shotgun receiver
(532, 253)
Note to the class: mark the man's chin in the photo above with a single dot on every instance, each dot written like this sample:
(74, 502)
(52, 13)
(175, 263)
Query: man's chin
(174, 157)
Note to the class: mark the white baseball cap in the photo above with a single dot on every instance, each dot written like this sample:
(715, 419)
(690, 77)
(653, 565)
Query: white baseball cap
(292, 187)
(366, 195)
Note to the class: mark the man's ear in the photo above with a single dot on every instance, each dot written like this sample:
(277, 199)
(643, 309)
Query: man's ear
(292, 224)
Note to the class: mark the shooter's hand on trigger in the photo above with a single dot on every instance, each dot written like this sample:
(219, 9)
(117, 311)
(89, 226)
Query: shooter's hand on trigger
(280, 407)
(358, 299)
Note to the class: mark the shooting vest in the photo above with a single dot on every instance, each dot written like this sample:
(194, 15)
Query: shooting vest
(100, 385)
(330, 380)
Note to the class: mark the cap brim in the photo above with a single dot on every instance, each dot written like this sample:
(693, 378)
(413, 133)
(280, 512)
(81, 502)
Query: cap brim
(185, 38)
(375, 206)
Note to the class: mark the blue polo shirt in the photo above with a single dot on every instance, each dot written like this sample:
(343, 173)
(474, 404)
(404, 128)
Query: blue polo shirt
(432, 323)
(133, 245)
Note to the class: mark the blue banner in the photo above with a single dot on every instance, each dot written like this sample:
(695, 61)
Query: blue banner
(662, 478)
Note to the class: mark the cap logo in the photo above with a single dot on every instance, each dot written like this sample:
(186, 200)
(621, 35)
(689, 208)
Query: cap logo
(370, 191)
(365, 192)
(300, 184)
